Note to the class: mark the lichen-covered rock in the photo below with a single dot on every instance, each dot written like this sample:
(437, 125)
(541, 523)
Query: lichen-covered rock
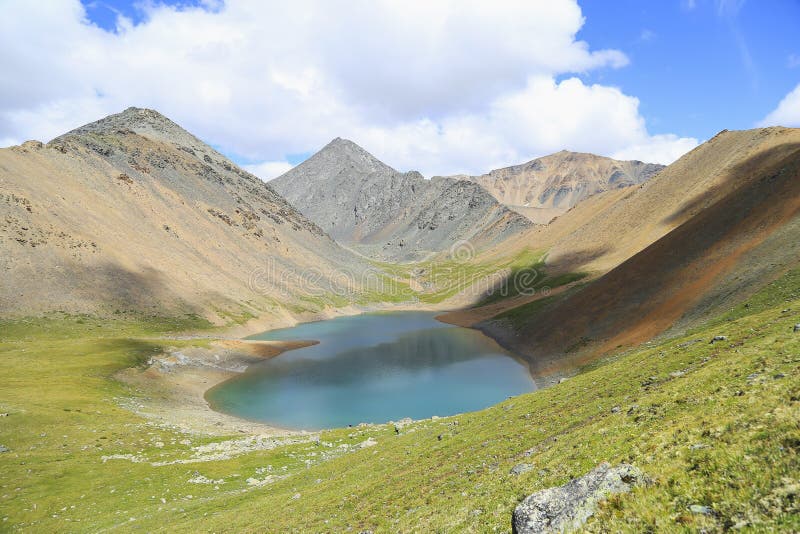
(567, 507)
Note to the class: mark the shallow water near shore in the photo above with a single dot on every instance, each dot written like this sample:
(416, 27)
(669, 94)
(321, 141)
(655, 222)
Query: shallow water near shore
(373, 368)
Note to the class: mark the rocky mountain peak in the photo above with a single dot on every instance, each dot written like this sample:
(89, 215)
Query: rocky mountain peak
(139, 120)
(359, 200)
(340, 157)
(144, 122)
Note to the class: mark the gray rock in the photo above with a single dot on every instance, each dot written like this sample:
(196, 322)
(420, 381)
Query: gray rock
(718, 338)
(3, 448)
(520, 468)
(797, 327)
(360, 201)
(568, 507)
(701, 510)
(615, 409)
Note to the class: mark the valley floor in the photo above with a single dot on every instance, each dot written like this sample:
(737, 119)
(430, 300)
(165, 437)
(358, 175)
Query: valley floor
(713, 424)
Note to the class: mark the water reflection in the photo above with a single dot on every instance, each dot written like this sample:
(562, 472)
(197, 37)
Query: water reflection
(374, 368)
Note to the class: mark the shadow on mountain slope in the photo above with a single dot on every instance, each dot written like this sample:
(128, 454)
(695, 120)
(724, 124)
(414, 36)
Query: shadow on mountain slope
(654, 289)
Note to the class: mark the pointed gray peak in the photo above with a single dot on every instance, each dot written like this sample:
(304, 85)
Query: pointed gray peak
(341, 155)
(346, 146)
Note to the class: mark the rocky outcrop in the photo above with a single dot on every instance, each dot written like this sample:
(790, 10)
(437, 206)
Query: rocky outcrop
(566, 508)
(362, 202)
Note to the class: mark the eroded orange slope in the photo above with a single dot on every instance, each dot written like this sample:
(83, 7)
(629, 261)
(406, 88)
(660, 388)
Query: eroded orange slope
(754, 200)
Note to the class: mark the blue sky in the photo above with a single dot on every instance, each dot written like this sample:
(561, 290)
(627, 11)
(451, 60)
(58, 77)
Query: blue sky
(443, 87)
(104, 13)
(699, 69)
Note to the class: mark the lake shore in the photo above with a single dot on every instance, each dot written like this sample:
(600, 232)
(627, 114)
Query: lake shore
(171, 390)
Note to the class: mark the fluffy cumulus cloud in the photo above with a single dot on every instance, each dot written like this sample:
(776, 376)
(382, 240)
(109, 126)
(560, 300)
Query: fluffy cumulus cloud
(787, 113)
(443, 87)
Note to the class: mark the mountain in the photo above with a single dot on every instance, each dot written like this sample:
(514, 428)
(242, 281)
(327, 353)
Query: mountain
(133, 213)
(362, 202)
(546, 187)
(697, 239)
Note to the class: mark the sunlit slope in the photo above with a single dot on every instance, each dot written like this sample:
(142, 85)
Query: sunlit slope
(713, 425)
(737, 231)
(133, 213)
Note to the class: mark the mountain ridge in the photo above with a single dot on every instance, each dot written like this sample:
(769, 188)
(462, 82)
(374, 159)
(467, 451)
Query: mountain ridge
(362, 202)
(703, 235)
(132, 212)
(548, 186)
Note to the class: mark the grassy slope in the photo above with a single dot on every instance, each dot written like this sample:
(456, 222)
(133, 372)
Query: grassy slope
(490, 280)
(712, 424)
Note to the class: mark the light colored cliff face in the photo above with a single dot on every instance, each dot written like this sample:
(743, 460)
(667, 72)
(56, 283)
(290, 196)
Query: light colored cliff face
(364, 203)
(547, 187)
(134, 213)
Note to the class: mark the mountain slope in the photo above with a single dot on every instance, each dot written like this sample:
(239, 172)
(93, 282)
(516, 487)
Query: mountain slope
(361, 201)
(688, 259)
(546, 187)
(134, 213)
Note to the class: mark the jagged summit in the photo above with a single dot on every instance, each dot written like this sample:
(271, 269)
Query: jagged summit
(359, 200)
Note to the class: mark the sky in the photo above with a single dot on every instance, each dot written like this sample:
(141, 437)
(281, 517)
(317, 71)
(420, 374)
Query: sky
(443, 87)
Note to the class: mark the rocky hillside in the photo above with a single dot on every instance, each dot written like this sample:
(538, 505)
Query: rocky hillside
(547, 187)
(133, 213)
(362, 202)
(704, 234)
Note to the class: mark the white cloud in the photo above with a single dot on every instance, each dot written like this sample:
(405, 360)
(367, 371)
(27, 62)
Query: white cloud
(442, 87)
(787, 113)
(541, 118)
(664, 148)
(269, 169)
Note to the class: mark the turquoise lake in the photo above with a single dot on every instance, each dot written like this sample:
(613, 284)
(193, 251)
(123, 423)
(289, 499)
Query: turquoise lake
(373, 368)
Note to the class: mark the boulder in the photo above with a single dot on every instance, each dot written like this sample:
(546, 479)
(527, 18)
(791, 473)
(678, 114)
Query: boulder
(567, 507)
